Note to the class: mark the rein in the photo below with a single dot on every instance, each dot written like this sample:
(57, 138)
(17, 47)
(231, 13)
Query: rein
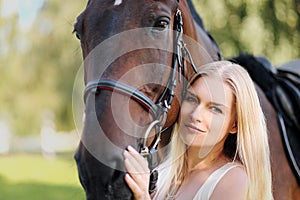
(159, 109)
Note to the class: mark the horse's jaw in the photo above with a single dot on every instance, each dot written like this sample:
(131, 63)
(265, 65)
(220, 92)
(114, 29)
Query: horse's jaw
(91, 174)
(99, 161)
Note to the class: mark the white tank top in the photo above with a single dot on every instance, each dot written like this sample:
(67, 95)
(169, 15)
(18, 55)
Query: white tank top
(209, 185)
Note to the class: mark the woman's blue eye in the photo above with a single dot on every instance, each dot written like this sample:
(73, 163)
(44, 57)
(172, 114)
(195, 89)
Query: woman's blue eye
(191, 99)
(216, 109)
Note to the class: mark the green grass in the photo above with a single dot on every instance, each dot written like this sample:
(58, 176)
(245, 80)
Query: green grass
(32, 177)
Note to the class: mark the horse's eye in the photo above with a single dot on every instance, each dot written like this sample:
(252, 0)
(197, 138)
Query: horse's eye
(161, 24)
(78, 28)
(76, 34)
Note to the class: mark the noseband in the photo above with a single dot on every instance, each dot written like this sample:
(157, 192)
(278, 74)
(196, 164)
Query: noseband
(159, 109)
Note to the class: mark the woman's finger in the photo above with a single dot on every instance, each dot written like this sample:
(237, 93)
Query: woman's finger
(141, 178)
(139, 158)
(132, 165)
(139, 173)
(137, 162)
(140, 193)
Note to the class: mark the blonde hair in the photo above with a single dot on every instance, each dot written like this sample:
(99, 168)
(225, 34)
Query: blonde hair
(251, 141)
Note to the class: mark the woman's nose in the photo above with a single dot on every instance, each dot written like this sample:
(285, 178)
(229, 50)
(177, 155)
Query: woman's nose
(197, 114)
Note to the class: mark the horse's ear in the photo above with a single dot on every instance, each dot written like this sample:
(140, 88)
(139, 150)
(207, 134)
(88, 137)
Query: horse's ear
(233, 129)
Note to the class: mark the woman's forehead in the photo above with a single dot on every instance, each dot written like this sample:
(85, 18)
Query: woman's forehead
(212, 88)
(210, 83)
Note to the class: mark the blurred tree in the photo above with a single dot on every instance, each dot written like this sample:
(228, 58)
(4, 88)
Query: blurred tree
(262, 27)
(38, 66)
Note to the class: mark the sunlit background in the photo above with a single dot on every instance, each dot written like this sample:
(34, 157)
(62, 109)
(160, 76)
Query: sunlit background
(39, 59)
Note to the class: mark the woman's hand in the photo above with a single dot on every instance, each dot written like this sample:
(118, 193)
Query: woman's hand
(138, 174)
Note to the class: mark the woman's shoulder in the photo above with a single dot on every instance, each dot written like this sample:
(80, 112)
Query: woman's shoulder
(233, 184)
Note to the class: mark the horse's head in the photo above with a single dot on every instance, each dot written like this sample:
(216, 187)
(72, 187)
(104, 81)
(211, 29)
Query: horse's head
(133, 54)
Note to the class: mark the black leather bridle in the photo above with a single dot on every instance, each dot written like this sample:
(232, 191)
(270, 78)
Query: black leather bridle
(160, 108)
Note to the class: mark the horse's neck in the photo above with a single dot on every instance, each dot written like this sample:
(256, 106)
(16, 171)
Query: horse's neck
(200, 45)
(211, 53)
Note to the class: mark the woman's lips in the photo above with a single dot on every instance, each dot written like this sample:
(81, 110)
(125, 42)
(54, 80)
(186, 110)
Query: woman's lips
(194, 129)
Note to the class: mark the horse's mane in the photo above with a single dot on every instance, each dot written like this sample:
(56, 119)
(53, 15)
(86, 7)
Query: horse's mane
(195, 15)
(259, 68)
(197, 18)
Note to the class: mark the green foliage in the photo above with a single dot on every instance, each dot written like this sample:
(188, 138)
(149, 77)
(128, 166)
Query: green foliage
(38, 67)
(262, 27)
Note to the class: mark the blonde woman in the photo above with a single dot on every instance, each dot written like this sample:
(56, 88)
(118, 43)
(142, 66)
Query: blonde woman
(219, 148)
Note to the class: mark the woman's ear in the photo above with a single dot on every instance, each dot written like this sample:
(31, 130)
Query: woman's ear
(233, 129)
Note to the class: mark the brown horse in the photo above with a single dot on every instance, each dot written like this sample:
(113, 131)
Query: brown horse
(138, 57)
(134, 43)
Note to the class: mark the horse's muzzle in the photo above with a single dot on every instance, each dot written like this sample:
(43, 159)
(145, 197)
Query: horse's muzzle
(99, 181)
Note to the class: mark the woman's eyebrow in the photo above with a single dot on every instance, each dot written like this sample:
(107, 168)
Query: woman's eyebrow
(214, 103)
(219, 104)
(191, 93)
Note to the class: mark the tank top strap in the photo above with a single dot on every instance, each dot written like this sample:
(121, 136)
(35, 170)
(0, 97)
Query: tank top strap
(209, 185)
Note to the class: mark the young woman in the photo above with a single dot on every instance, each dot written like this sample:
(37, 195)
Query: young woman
(219, 148)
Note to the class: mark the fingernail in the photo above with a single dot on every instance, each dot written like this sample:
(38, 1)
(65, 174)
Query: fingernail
(125, 153)
(130, 148)
(127, 176)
